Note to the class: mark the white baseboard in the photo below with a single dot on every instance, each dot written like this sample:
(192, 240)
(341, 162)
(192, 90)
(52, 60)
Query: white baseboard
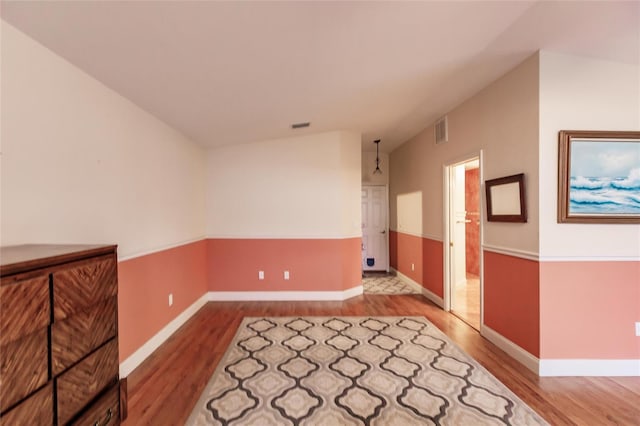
(590, 367)
(410, 282)
(433, 297)
(130, 364)
(233, 296)
(563, 367)
(513, 350)
(426, 293)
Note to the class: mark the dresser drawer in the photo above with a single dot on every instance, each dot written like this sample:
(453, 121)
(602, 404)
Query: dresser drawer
(37, 410)
(84, 381)
(24, 367)
(83, 284)
(24, 307)
(105, 411)
(77, 335)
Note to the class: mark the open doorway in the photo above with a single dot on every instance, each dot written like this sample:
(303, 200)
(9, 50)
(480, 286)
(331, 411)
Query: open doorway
(464, 229)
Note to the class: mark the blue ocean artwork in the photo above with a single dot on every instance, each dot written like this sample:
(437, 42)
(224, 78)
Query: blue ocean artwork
(605, 178)
(593, 195)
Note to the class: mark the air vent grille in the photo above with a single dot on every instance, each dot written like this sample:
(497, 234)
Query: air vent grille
(300, 125)
(441, 130)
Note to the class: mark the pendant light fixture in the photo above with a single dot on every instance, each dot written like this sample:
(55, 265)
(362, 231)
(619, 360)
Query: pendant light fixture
(377, 170)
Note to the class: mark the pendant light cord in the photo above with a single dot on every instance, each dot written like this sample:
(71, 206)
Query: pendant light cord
(377, 170)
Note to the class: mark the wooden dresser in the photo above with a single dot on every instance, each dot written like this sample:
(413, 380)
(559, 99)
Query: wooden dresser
(59, 335)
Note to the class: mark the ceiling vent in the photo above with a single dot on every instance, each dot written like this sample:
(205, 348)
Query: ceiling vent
(442, 130)
(300, 125)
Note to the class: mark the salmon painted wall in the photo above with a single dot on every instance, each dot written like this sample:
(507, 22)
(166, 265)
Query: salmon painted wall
(409, 256)
(432, 272)
(393, 249)
(511, 301)
(604, 301)
(289, 204)
(472, 229)
(313, 264)
(144, 285)
(589, 279)
(426, 256)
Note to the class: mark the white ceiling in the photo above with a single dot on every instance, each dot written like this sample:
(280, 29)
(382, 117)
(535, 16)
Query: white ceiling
(234, 72)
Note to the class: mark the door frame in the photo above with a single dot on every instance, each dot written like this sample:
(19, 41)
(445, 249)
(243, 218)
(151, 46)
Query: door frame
(447, 171)
(386, 205)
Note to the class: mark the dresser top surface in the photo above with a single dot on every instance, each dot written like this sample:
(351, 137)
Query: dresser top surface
(22, 258)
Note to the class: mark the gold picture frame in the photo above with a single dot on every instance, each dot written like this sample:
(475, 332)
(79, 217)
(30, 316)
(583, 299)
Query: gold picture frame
(598, 176)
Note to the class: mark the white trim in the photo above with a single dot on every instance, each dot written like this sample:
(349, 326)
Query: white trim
(415, 234)
(446, 242)
(590, 367)
(513, 350)
(133, 361)
(284, 237)
(530, 255)
(433, 297)
(159, 249)
(264, 296)
(426, 293)
(461, 159)
(408, 281)
(589, 258)
(523, 254)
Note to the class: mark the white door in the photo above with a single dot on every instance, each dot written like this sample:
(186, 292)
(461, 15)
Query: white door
(375, 242)
(459, 228)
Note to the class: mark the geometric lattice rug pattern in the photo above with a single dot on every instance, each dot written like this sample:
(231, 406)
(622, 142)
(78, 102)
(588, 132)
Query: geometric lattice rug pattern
(387, 284)
(332, 371)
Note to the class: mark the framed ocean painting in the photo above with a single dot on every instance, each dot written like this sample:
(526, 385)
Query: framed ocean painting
(598, 177)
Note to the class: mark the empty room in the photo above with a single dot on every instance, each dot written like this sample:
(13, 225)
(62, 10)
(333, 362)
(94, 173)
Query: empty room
(319, 213)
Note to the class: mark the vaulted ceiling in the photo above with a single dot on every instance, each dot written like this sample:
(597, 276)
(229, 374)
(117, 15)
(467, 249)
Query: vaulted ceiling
(236, 72)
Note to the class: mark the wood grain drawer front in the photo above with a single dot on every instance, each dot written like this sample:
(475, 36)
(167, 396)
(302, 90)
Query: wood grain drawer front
(24, 307)
(24, 367)
(84, 284)
(78, 335)
(84, 381)
(105, 411)
(35, 411)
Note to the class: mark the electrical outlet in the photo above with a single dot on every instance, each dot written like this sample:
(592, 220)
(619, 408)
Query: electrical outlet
(170, 299)
(638, 329)
(261, 275)
(413, 267)
(286, 275)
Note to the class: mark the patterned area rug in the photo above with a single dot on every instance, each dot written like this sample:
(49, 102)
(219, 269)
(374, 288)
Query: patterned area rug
(352, 371)
(387, 284)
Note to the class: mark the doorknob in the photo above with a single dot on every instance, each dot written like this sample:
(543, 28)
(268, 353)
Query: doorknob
(383, 232)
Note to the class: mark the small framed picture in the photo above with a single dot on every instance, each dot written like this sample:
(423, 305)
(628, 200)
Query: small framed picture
(598, 176)
(506, 199)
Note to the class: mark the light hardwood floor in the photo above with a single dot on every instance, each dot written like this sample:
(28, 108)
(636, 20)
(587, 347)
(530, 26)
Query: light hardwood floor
(163, 390)
(466, 301)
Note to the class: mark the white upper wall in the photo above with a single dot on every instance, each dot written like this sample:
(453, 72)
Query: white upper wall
(303, 187)
(502, 121)
(82, 164)
(578, 93)
(369, 165)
